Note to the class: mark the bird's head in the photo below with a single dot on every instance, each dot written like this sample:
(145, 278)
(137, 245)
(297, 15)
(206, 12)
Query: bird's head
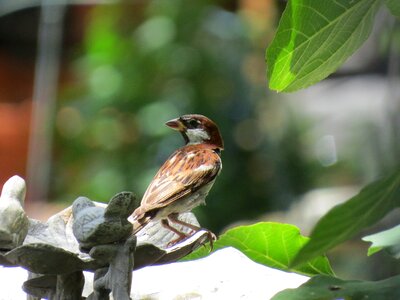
(197, 129)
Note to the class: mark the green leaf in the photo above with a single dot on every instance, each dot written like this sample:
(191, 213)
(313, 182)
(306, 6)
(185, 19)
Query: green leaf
(394, 7)
(314, 38)
(270, 244)
(326, 288)
(388, 240)
(345, 220)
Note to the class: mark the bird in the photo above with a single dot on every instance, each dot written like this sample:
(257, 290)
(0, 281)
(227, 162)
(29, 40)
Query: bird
(186, 177)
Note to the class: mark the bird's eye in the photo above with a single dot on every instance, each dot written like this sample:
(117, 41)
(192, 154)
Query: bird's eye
(193, 123)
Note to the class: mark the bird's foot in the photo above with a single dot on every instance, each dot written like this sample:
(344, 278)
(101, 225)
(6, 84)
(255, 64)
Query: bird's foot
(178, 240)
(211, 238)
(183, 236)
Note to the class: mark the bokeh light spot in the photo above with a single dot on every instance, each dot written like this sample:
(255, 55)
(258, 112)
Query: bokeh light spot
(105, 82)
(69, 122)
(247, 135)
(107, 133)
(155, 33)
(152, 117)
(325, 149)
(107, 182)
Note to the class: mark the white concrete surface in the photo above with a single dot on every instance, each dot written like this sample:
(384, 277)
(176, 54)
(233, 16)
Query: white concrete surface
(226, 274)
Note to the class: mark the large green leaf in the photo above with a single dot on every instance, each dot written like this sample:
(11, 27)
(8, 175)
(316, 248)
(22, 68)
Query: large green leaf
(314, 38)
(388, 240)
(270, 244)
(327, 288)
(345, 220)
(394, 7)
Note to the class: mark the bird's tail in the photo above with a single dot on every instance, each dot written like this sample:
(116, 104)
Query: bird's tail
(139, 222)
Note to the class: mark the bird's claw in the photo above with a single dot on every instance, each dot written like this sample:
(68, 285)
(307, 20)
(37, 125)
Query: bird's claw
(211, 238)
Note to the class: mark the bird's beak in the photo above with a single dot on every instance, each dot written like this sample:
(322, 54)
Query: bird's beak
(175, 124)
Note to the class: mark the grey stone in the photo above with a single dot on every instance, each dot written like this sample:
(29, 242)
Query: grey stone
(64, 286)
(95, 225)
(13, 221)
(51, 251)
(117, 277)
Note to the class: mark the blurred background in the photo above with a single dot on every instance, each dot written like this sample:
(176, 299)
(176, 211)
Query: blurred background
(86, 87)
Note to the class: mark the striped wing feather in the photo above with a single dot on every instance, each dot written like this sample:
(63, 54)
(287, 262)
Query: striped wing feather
(187, 170)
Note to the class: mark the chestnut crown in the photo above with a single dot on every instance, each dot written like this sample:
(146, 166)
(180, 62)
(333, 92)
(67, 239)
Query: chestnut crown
(197, 129)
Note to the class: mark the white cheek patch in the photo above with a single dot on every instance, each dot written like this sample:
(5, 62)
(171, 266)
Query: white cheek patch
(197, 136)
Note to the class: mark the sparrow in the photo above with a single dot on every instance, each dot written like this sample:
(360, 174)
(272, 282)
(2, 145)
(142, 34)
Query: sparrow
(184, 180)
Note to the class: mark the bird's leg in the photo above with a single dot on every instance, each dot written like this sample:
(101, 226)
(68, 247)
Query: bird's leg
(211, 236)
(182, 236)
(174, 218)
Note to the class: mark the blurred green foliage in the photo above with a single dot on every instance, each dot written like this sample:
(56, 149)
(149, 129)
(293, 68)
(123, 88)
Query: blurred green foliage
(143, 64)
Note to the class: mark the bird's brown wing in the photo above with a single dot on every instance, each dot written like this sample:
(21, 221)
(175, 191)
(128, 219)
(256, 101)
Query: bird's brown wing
(187, 170)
